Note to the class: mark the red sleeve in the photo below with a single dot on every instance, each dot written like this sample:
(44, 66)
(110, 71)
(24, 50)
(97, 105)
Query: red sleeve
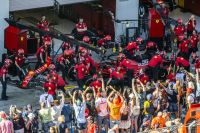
(177, 63)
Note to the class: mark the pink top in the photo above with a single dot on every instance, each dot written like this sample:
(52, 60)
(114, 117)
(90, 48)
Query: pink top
(6, 126)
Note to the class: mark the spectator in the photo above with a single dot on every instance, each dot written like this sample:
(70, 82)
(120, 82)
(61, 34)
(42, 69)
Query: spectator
(158, 121)
(53, 129)
(46, 98)
(45, 117)
(79, 108)
(125, 122)
(6, 126)
(91, 127)
(67, 112)
(32, 124)
(57, 108)
(102, 110)
(115, 105)
(62, 126)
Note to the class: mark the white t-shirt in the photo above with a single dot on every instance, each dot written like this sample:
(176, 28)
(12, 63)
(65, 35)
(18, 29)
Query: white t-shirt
(191, 98)
(80, 112)
(47, 99)
(56, 111)
(198, 90)
(102, 104)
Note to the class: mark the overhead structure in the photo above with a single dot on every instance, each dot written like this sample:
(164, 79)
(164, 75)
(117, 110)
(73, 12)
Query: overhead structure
(52, 34)
(17, 5)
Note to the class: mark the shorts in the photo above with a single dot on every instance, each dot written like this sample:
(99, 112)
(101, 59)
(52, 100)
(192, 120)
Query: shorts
(113, 123)
(81, 126)
(102, 120)
(173, 107)
(68, 125)
(125, 124)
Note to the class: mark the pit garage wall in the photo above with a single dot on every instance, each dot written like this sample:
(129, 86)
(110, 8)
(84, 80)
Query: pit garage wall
(4, 13)
(125, 10)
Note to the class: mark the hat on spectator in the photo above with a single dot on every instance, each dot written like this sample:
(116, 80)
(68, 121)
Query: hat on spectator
(3, 115)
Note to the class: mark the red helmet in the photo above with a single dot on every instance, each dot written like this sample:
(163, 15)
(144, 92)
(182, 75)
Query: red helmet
(68, 52)
(8, 61)
(139, 39)
(86, 39)
(151, 44)
(82, 49)
(132, 45)
(20, 51)
(47, 40)
(180, 21)
(52, 66)
(108, 38)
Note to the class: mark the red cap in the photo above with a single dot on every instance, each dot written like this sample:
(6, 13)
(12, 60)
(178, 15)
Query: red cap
(108, 38)
(139, 39)
(68, 52)
(132, 45)
(86, 39)
(3, 115)
(82, 49)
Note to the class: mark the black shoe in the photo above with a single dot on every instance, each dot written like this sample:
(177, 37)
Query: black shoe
(4, 99)
(7, 97)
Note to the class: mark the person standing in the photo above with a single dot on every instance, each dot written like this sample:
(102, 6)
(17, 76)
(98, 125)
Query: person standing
(6, 126)
(191, 24)
(20, 62)
(3, 74)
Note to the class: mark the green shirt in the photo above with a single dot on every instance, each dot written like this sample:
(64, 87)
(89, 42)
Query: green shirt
(45, 115)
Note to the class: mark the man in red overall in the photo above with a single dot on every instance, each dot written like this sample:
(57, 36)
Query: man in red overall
(181, 62)
(66, 46)
(130, 50)
(81, 70)
(194, 40)
(116, 78)
(81, 28)
(191, 24)
(20, 62)
(3, 74)
(154, 66)
(179, 29)
(129, 65)
(183, 49)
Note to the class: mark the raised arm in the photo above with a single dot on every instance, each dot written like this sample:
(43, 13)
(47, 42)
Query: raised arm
(133, 88)
(73, 98)
(102, 84)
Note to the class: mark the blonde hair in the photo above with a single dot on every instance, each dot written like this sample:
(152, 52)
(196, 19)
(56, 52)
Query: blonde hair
(61, 118)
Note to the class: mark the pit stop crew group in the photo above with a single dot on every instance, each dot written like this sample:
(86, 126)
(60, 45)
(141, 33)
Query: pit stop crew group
(141, 104)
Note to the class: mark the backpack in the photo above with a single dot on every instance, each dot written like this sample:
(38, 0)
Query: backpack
(34, 126)
(150, 109)
(67, 111)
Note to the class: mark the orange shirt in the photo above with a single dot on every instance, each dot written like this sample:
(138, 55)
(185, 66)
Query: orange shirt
(158, 120)
(91, 128)
(115, 111)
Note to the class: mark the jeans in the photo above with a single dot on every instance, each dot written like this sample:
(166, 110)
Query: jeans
(4, 88)
(46, 126)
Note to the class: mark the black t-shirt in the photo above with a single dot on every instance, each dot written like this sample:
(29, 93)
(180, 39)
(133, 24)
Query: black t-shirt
(172, 96)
